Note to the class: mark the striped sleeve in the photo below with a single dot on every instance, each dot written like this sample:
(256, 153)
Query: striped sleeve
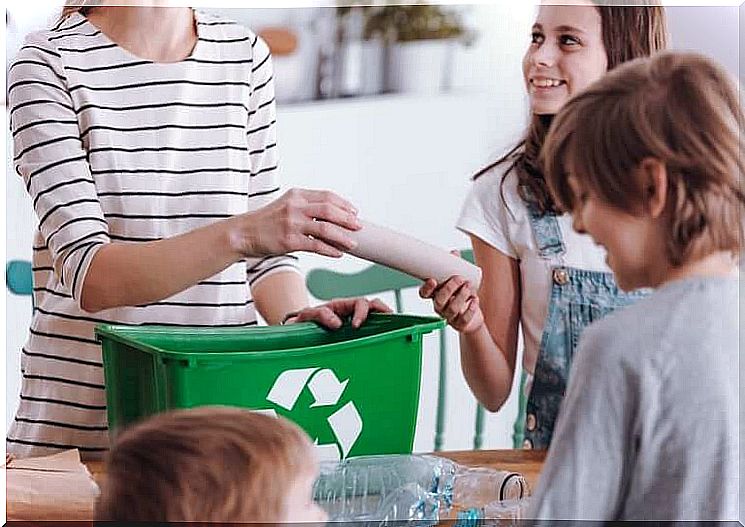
(49, 155)
(262, 143)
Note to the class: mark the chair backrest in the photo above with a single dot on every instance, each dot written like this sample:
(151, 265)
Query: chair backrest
(19, 277)
(327, 285)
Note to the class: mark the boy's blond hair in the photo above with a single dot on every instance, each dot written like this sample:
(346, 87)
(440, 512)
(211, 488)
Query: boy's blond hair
(680, 108)
(209, 464)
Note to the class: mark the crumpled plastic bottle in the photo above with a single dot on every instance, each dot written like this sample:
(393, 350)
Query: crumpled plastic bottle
(382, 488)
(408, 487)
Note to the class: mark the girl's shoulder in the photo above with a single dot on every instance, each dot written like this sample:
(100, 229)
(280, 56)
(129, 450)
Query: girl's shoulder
(494, 212)
(497, 186)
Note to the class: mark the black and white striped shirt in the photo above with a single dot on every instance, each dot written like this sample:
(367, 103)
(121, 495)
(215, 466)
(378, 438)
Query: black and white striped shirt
(114, 148)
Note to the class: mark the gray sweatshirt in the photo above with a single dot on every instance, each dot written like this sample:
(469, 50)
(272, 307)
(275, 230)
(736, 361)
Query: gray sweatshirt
(649, 428)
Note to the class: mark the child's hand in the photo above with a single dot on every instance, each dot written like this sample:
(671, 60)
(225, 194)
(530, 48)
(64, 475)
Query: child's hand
(330, 314)
(455, 301)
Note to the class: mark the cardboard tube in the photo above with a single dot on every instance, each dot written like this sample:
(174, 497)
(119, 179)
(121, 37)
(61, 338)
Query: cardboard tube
(410, 255)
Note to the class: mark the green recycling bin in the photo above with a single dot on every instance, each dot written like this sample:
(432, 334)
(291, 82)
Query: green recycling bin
(355, 391)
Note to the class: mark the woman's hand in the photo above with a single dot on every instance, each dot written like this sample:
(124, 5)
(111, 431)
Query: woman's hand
(455, 301)
(330, 314)
(300, 220)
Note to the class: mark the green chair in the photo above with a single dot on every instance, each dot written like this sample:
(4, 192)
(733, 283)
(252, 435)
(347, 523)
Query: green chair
(518, 429)
(327, 285)
(19, 277)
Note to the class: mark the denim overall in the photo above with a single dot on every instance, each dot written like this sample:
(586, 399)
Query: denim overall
(578, 297)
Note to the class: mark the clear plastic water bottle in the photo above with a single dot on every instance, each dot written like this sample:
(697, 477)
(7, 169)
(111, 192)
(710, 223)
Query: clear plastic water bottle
(383, 488)
(477, 487)
(407, 503)
(409, 487)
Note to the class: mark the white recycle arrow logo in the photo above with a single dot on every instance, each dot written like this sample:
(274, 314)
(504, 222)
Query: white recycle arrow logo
(324, 385)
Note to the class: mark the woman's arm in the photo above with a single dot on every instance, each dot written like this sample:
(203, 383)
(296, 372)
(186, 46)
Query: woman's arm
(123, 274)
(487, 322)
(101, 274)
(278, 294)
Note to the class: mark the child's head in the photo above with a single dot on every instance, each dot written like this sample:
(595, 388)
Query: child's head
(571, 47)
(211, 464)
(650, 161)
(574, 45)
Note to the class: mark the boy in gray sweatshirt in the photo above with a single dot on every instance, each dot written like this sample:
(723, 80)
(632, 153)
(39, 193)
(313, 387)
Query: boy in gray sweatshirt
(649, 161)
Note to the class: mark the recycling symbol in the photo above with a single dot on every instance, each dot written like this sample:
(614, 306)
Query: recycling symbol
(326, 389)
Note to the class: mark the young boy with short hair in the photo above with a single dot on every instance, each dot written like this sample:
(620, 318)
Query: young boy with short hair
(650, 162)
(211, 465)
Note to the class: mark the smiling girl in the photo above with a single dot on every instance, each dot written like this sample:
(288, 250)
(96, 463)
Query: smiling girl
(537, 272)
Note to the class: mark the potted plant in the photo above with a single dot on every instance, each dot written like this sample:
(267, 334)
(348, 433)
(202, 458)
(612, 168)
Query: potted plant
(421, 40)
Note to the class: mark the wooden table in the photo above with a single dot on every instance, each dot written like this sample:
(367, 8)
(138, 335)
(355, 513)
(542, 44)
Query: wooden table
(528, 463)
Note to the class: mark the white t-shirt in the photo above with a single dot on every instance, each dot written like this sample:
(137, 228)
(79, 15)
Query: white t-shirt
(116, 148)
(507, 229)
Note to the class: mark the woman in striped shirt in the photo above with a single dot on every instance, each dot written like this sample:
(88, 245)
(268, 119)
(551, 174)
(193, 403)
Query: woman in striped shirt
(146, 138)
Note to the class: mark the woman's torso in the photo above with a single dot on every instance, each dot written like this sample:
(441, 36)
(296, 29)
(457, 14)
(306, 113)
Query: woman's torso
(169, 148)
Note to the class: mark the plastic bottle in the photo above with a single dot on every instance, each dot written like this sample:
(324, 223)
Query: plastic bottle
(397, 487)
(476, 487)
(408, 487)
(409, 502)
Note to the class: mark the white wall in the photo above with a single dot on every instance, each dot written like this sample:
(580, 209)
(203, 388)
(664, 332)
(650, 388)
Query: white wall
(711, 30)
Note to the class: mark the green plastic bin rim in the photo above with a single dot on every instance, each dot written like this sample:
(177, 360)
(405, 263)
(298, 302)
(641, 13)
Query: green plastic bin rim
(138, 336)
